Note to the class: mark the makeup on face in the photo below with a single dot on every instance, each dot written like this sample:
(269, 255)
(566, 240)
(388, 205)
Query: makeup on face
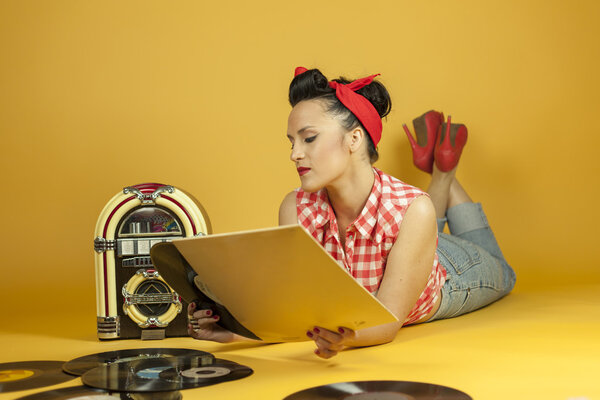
(317, 139)
(302, 170)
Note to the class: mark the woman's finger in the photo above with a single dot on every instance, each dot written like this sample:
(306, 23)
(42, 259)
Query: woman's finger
(195, 333)
(207, 322)
(323, 344)
(325, 353)
(346, 333)
(202, 313)
(325, 334)
(191, 308)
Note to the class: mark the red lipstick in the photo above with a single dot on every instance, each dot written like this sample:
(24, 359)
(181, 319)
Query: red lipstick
(302, 170)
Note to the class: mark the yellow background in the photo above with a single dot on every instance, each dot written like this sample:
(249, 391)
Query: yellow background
(98, 95)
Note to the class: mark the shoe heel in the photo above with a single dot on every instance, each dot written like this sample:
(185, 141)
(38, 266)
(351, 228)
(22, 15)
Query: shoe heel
(453, 138)
(412, 141)
(426, 132)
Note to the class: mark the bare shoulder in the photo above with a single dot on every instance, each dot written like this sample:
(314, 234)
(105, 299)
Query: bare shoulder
(420, 216)
(421, 207)
(287, 209)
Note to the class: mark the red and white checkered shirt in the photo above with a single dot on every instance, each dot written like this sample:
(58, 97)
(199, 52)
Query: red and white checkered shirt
(370, 237)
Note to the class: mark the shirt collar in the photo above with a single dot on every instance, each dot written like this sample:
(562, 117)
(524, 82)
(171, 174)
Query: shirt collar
(368, 224)
(319, 202)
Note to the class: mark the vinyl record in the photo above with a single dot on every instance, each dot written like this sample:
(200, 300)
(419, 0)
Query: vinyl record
(31, 375)
(380, 390)
(88, 393)
(164, 374)
(84, 392)
(81, 365)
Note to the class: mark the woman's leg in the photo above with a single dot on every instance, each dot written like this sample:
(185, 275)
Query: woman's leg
(477, 273)
(445, 192)
(465, 219)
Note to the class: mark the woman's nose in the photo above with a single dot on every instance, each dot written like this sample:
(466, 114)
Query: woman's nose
(296, 154)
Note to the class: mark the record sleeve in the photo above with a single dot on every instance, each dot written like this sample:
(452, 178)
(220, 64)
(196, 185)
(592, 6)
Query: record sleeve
(266, 279)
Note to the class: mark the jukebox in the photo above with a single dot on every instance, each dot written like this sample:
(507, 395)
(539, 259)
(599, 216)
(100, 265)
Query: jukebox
(132, 299)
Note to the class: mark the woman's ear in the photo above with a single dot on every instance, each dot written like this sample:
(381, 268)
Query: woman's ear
(357, 136)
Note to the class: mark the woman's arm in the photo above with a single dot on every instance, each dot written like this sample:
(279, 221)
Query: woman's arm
(407, 270)
(287, 210)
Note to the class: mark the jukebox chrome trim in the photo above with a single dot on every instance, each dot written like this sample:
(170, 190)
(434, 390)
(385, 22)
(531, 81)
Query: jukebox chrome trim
(132, 299)
(157, 192)
(109, 327)
(148, 198)
(101, 245)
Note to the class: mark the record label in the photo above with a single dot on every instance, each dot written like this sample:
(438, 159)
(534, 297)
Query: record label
(9, 375)
(25, 375)
(205, 372)
(150, 373)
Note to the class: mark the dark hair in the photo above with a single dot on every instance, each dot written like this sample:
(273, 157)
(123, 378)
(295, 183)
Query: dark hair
(312, 84)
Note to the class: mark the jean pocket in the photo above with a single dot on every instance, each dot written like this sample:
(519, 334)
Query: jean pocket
(464, 296)
(458, 253)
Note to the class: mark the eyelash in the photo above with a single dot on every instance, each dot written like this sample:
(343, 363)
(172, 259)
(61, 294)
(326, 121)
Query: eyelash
(307, 140)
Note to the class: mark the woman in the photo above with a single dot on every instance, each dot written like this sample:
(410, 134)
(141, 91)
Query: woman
(383, 231)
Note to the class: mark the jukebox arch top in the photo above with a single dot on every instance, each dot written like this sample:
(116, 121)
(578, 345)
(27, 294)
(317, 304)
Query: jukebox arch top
(128, 226)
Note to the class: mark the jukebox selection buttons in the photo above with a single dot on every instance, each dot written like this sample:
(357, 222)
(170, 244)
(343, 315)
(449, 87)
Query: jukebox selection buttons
(138, 246)
(143, 247)
(137, 262)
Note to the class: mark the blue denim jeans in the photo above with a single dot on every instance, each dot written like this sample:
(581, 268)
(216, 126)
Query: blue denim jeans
(477, 273)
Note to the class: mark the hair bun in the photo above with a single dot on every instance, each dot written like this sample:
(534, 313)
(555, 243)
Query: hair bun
(308, 85)
(378, 95)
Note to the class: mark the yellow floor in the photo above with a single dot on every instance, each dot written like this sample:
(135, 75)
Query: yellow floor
(539, 343)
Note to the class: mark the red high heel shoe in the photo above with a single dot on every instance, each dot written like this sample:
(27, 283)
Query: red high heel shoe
(426, 127)
(448, 148)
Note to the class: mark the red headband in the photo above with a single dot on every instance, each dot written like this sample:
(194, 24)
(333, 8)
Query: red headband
(357, 104)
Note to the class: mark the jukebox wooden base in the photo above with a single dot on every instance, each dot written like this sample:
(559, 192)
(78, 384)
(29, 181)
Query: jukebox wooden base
(133, 300)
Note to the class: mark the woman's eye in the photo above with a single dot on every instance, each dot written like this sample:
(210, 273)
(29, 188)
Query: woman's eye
(310, 139)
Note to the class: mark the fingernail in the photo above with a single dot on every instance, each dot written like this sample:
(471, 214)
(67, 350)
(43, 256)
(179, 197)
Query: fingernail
(317, 351)
(209, 312)
(309, 334)
(341, 330)
(193, 305)
(216, 317)
(316, 330)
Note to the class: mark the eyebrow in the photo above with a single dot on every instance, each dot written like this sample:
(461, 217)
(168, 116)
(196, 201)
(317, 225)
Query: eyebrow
(302, 130)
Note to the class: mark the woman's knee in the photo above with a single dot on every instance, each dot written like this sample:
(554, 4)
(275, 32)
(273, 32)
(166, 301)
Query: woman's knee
(510, 277)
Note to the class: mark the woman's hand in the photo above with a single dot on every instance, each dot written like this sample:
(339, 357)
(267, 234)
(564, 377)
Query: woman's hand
(329, 343)
(207, 327)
